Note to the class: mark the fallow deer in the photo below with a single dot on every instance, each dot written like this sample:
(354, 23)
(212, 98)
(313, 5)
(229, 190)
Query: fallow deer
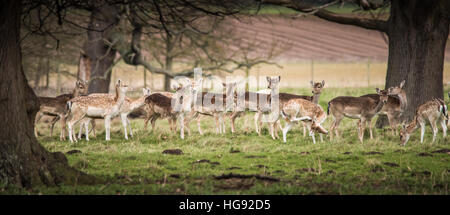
(394, 107)
(57, 107)
(362, 108)
(127, 107)
(154, 112)
(294, 110)
(215, 105)
(434, 111)
(97, 108)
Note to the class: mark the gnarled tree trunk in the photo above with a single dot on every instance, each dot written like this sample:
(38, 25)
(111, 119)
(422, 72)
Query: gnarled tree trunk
(418, 32)
(98, 52)
(23, 161)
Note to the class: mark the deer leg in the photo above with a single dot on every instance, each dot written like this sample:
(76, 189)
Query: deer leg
(369, 121)
(129, 127)
(257, 119)
(108, 128)
(286, 129)
(181, 121)
(199, 126)
(86, 128)
(422, 131)
(81, 130)
(63, 127)
(444, 128)
(93, 128)
(321, 137)
(123, 117)
(153, 120)
(233, 118)
(52, 125)
(434, 128)
(362, 128)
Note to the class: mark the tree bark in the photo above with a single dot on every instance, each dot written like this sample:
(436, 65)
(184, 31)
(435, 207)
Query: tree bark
(23, 161)
(418, 32)
(98, 52)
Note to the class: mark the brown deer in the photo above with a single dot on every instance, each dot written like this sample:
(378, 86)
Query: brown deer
(394, 107)
(127, 107)
(154, 110)
(362, 108)
(56, 106)
(97, 108)
(434, 111)
(294, 110)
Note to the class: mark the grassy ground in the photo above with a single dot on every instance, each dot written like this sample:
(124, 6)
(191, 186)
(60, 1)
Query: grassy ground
(345, 166)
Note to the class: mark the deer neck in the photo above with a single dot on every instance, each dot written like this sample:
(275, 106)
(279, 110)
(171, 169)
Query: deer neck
(378, 107)
(403, 100)
(315, 99)
(120, 97)
(137, 103)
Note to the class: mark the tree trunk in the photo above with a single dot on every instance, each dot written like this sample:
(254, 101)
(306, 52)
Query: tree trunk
(99, 55)
(418, 33)
(23, 161)
(47, 73)
(168, 67)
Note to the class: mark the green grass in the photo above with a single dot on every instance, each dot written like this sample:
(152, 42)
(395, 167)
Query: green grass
(342, 166)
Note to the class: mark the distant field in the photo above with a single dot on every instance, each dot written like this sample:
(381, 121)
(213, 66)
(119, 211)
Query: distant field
(344, 166)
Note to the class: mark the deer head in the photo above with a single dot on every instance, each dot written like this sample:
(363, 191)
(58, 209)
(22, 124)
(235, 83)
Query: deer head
(317, 87)
(273, 81)
(397, 89)
(383, 95)
(316, 127)
(80, 88)
(404, 134)
(146, 91)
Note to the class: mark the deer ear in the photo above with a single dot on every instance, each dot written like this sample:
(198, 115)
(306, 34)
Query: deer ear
(279, 78)
(378, 90)
(268, 79)
(402, 84)
(312, 83)
(323, 83)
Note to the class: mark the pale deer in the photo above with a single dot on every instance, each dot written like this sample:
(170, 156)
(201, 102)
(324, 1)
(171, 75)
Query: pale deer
(434, 111)
(127, 107)
(394, 107)
(57, 107)
(362, 108)
(97, 108)
(294, 110)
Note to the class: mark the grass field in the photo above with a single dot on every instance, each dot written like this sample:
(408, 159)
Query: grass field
(345, 166)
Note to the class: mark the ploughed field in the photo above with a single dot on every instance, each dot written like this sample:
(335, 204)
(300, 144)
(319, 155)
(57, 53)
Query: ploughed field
(159, 162)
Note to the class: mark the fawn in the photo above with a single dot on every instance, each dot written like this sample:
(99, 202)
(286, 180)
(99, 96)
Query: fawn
(434, 111)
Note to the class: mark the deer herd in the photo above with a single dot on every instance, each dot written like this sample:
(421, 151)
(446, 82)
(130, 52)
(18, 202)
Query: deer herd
(189, 103)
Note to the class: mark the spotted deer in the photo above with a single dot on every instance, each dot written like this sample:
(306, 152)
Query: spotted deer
(215, 105)
(362, 108)
(295, 110)
(128, 106)
(57, 107)
(177, 107)
(97, 108)
(434, 111)
(394, 107)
